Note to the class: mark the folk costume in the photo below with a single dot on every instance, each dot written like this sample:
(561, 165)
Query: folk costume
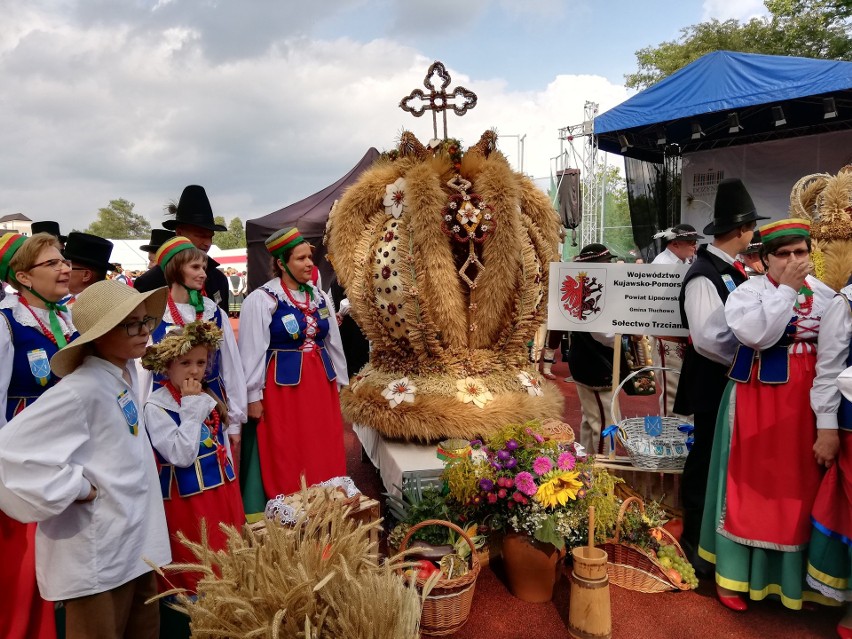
(830, 552)
(293, 358)
(197, 476)
(49, 463)
(29, 337)
(763, 476)
(193, 209)
(669, 351)
(225, 376)
(704, 374)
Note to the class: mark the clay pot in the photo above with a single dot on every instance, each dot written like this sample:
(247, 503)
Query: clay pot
(531, 567)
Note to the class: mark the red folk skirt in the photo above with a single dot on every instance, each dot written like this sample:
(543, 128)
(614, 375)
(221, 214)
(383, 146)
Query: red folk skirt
(23, 613)
(772, 475)
(301, 431)
(222, 504)
(833, 506)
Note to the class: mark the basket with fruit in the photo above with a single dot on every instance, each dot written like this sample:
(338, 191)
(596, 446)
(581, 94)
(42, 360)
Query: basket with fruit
(649, 560)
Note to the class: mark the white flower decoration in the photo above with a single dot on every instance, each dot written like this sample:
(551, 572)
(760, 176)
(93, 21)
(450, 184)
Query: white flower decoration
(487, 216)
(398, 391)
(448, 218)
(472, 389)
(532, 384)
(456, 228)
(468, 214)
(394, 201)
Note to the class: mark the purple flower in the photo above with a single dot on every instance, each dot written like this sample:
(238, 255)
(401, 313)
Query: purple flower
(486, 485)
(510, 463)
(496, 465)
(512, 445)
(525, 483)
(475, 442)
(566, 461)
(503, 455)
(542, 466)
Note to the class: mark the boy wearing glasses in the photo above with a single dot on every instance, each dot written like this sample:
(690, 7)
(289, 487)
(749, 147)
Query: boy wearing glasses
(91, 482)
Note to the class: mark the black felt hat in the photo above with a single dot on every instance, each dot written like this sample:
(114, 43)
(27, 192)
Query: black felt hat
(158, 237)
(594, 253)
(194, 208)
(48, 227)
(89, 250)
(733, 207)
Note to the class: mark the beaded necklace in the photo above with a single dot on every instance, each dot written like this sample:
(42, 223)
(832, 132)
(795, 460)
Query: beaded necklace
(803, 307)
(212, 422)
(177, 318)
(44, 329)
(305, 306)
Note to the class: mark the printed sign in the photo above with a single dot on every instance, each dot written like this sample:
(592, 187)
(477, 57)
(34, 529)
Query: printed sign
(632, 299)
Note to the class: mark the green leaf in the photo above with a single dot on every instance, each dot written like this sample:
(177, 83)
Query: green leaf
(548, 534)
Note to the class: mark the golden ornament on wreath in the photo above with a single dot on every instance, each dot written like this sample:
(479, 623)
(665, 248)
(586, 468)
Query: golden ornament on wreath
(444, 256)
(826, 202)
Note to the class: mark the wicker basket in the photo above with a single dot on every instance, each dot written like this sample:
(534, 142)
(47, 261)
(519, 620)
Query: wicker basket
(635, 568)
(447, 606)
(666, 451)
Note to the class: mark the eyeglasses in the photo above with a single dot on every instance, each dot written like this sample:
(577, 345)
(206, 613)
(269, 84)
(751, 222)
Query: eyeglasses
(134, 329)
(56, 264)
(783, 255)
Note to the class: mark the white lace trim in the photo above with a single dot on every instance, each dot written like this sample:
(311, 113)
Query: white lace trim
(274, 286)
(279, 510)
(23, 316)
(187, 311)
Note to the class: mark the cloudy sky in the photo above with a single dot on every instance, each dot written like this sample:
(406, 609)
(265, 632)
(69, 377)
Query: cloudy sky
(266, 101)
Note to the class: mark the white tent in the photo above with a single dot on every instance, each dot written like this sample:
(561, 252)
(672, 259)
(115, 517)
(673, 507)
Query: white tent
(129, 255)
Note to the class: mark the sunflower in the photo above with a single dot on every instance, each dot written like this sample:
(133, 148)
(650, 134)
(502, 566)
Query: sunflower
(558, 488)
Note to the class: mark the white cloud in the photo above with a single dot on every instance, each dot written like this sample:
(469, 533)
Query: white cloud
(107, 111)
(733, 9)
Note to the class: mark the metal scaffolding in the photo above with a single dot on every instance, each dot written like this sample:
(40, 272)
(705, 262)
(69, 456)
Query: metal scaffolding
(591, 196)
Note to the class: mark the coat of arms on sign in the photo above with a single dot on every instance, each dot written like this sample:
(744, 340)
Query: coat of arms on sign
(582, 295)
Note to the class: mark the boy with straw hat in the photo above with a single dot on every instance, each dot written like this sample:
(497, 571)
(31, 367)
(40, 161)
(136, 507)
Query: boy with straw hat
(91, 481)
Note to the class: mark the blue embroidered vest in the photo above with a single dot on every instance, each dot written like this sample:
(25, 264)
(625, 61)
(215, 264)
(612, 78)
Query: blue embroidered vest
(284, 346)
(773, 364)
(214, 378)
(26, 384)
(203, 474)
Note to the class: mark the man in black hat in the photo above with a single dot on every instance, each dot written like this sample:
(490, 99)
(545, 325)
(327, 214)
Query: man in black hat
(590, 360)
(680, 243)
(158, 237)
(52, 228)
(712, 276)
(89, 256)
(194, 221)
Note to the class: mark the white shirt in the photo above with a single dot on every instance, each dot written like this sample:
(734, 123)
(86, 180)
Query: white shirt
(705, 313)
(835, 335)
(758, 313)
(231, 366)
(177, 444)
(667, 257)
(73, 437)
(255, 318)
(7, 348)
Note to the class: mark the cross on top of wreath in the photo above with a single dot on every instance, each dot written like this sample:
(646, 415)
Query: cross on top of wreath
(438, 99)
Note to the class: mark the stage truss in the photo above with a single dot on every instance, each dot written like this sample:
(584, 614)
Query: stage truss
(578, 147)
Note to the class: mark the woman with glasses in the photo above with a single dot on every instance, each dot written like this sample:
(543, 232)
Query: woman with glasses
(769, 451)
(33, 327)
(184, 268)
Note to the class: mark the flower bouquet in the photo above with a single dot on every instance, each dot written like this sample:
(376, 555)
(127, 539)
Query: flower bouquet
(519, 480)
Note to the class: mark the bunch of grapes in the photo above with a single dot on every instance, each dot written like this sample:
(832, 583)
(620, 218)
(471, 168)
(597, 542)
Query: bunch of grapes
(669, 559)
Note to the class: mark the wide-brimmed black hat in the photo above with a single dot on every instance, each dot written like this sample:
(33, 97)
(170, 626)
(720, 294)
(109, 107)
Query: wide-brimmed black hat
(158, 237)
(48, 227)
(733, 207)
(594, 253)
(194, 208)
(89, 250)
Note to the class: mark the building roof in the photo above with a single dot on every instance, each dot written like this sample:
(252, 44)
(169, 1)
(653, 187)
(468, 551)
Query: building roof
(15, 217)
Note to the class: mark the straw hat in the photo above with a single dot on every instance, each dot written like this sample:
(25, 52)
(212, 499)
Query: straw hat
(99, 309)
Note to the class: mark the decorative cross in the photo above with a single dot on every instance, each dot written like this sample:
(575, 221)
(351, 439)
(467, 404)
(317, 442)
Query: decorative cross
(458, 99)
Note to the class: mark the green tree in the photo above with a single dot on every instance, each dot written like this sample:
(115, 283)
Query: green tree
(807, 28)
(617, 230)
(118, 222)
(234, 237)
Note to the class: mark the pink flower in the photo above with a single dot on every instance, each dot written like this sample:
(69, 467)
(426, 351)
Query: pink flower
(492, 498)
(542, 466)
(519, 497)
(525, 483)
(502, 493)
(566, 461)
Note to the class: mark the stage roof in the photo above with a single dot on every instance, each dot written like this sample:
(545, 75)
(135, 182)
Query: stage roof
(706, 92)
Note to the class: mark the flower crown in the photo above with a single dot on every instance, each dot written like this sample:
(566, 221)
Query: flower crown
(179, 342)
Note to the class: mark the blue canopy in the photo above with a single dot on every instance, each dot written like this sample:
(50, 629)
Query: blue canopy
(722, 83)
